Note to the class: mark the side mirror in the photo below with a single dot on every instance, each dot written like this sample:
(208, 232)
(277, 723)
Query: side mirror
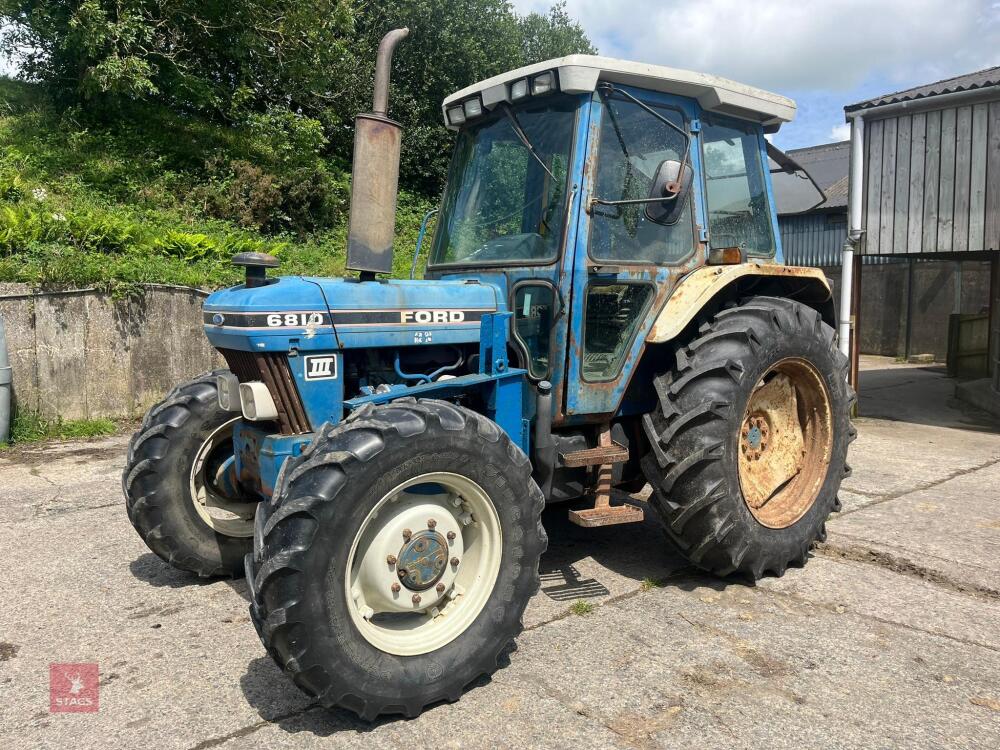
(671, 185)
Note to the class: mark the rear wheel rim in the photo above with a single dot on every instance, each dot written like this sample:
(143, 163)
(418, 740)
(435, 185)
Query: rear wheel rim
(223, 514)
(785, 443)
(423, 564)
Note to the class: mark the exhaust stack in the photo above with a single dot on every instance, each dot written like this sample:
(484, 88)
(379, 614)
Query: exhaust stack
(375, 175)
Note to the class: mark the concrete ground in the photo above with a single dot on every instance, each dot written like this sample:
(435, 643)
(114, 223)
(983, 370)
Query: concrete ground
(889, 637)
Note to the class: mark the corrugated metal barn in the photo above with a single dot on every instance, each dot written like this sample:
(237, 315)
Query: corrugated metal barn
(816, 237)
(925, 190)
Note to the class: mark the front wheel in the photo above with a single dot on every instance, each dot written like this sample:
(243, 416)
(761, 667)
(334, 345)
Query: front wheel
(393, 565)
(179, 485)
(749, 443)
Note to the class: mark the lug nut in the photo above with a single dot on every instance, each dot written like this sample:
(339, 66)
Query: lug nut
(451, 536)
(439, 588)
(454, 561)
(395, 588)
(401, 572)
(407, 534)
(391, 559)
(431, 523)
(416, 599)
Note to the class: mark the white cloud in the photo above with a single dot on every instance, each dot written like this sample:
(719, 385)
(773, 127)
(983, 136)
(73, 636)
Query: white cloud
(840, 132)
(798, 44)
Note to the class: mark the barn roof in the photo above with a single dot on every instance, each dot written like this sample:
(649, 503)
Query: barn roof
(968, 82)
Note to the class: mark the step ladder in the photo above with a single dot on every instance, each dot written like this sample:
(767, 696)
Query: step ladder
(604, 456)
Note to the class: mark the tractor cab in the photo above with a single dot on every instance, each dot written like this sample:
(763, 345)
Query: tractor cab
(585, 188)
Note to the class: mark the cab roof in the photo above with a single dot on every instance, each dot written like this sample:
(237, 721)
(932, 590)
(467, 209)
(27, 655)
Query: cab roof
(578, 74)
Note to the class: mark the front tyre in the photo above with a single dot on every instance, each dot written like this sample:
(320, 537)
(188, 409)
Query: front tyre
(749, 443)
(393, 565)
(178, 485)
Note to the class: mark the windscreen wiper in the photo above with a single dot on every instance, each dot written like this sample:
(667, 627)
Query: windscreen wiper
(524, 138)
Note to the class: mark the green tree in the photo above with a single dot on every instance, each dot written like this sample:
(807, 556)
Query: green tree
(452, 44)
(222, 57)
(553, 35)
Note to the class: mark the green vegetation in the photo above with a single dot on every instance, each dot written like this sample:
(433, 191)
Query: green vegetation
(142, 203)
(581, 607)
(28, 427)
(650, 583)
(159, 139)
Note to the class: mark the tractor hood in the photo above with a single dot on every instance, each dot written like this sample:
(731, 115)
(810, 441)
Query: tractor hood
(323, 314)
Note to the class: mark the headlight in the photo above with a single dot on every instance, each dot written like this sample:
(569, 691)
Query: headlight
(473, 108)
(229, 392)
(519, 89)
(543, 83)
(456, 116)
(257, 402)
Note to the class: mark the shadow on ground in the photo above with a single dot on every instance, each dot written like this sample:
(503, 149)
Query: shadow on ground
(153, 571)
(919, 395)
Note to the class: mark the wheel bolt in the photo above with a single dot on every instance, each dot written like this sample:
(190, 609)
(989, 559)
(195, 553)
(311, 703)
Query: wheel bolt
(431, 523)
(407, 534)
(439, 588)
(401, 572)
(454, 561)
(451, 536)
(395, 588)
(416, 599)
(391, 559)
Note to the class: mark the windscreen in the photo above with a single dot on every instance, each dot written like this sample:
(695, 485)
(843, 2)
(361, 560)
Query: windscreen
(502, 204)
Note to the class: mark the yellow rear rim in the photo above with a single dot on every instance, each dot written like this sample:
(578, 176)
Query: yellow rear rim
(785, 443)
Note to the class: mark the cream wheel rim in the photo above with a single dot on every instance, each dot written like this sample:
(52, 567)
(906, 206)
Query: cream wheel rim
(423, 564)
(221, 513)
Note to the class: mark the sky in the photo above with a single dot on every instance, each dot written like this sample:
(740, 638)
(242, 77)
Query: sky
(824, 54)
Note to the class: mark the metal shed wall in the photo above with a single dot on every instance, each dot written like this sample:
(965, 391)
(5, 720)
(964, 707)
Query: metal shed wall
(813, 239)
(932, 181)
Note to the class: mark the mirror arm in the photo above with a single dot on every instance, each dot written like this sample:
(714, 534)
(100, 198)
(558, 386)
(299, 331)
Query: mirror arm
(629, 202)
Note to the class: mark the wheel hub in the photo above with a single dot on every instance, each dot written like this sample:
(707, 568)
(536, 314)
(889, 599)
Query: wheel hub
(422, 561)
(755, 435)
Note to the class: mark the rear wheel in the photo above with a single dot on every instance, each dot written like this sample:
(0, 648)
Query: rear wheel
(179, 485)
(394, 563)
(750, 441)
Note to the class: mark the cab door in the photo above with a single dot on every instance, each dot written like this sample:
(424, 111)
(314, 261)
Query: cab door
(625, 263)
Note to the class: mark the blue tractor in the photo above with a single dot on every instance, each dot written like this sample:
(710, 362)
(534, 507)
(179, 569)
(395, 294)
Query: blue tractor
(604, 306)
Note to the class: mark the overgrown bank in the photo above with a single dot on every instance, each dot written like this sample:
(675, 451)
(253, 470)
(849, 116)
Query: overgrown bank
(167, 198)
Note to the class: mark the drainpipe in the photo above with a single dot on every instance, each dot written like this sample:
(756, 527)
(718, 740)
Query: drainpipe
(5, 385)
(854, 232)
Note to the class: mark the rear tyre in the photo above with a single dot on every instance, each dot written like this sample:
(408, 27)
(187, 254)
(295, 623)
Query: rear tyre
(393, 565)
(749, 443)
(171, 483)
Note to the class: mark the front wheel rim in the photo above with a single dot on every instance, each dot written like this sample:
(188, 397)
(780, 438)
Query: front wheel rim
(423, 564)
(785, 443)
(223, 514)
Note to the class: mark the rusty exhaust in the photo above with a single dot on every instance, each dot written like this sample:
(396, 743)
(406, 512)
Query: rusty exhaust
(375, 174)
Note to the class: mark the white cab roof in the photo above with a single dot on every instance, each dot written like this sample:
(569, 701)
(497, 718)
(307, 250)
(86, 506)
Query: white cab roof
(580, 74)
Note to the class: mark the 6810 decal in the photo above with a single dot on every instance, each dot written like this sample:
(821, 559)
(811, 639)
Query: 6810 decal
(281, 320)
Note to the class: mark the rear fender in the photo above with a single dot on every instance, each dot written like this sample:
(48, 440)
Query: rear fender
(709, 287)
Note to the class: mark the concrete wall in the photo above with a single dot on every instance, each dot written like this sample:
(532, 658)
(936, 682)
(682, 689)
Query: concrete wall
(84, 354)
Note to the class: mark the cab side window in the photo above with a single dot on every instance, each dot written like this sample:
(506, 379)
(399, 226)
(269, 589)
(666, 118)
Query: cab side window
(735, 188)
(633, 143)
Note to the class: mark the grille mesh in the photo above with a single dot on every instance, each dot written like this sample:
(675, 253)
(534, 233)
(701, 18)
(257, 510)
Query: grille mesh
(272, 368)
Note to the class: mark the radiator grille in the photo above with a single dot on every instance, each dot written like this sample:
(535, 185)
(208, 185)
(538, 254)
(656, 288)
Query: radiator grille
(272, 368)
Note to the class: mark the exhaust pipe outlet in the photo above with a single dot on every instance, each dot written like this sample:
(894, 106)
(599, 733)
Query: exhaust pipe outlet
(375, 175)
